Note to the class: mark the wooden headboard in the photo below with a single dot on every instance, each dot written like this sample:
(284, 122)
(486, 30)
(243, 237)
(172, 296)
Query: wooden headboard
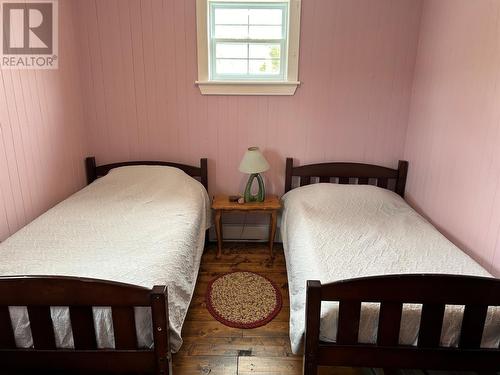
(94, 171)
(349, 173)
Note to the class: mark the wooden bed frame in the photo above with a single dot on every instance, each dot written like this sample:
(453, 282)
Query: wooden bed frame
(39, 293)
(391, 291)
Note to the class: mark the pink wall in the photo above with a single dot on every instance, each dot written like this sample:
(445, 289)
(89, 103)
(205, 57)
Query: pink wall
(41, 134)
(453, 140)
(139, 67)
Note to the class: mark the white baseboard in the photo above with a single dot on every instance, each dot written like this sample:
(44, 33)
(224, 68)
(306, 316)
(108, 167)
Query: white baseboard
(246, 232)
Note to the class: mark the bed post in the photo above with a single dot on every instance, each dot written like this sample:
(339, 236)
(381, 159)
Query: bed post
(313, 308)
(401, 181)
(90, 168)
(204, 172)
(159, 314)
(288, 174)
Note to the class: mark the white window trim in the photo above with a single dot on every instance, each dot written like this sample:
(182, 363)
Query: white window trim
(246, 87)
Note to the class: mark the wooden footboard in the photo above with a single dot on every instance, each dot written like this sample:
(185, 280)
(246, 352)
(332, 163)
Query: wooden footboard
(39, 293)
(434, 292)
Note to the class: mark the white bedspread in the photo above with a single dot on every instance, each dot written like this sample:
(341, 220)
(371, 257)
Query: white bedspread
(143, 225)
(332, 232)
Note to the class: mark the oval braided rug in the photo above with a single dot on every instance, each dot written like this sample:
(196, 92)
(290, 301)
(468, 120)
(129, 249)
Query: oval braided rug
(243, 299)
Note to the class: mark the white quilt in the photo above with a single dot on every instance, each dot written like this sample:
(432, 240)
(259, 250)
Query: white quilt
(333, 232)
(143, 225)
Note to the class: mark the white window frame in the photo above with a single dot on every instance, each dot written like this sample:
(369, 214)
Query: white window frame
(283, 85)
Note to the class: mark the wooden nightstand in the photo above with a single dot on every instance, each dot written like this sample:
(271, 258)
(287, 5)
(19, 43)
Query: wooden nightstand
(221, 203)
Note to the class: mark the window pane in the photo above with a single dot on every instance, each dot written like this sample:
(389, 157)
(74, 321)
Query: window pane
(236, 34)
(266, 16)
(264, 51)
(231, 16)
(264, 67)
(231, 50)
(265, 32)
(225, 66)
(231, 32)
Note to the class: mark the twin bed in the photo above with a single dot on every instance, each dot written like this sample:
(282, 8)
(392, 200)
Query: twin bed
(142, 224)
(421, 313)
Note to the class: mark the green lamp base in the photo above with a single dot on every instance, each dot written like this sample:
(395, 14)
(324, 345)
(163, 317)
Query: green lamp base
(261, 194)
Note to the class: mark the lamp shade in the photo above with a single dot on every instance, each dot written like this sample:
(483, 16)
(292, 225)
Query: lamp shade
(253, 161)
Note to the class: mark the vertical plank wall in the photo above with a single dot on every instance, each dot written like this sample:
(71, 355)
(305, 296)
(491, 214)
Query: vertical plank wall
(453, 141)
(42, 139)
(139, 67)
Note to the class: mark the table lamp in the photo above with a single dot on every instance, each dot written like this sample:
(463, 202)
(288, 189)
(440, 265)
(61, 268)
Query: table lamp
(254, 163)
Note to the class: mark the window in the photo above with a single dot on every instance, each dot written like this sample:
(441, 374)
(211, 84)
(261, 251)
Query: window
(248, 47)
(246, 40)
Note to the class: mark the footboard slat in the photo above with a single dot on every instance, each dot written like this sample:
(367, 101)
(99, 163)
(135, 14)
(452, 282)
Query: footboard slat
(348, 322)
(41, 326)
(82, 322)
(473, 326)
(7, 340)
(431, 323)
(124, 328)
(389, 323)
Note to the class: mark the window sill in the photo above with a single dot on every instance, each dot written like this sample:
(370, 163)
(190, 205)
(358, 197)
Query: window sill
(247, 87)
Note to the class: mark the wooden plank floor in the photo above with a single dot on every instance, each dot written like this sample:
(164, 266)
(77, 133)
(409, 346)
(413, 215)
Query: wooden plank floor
(212, 348)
